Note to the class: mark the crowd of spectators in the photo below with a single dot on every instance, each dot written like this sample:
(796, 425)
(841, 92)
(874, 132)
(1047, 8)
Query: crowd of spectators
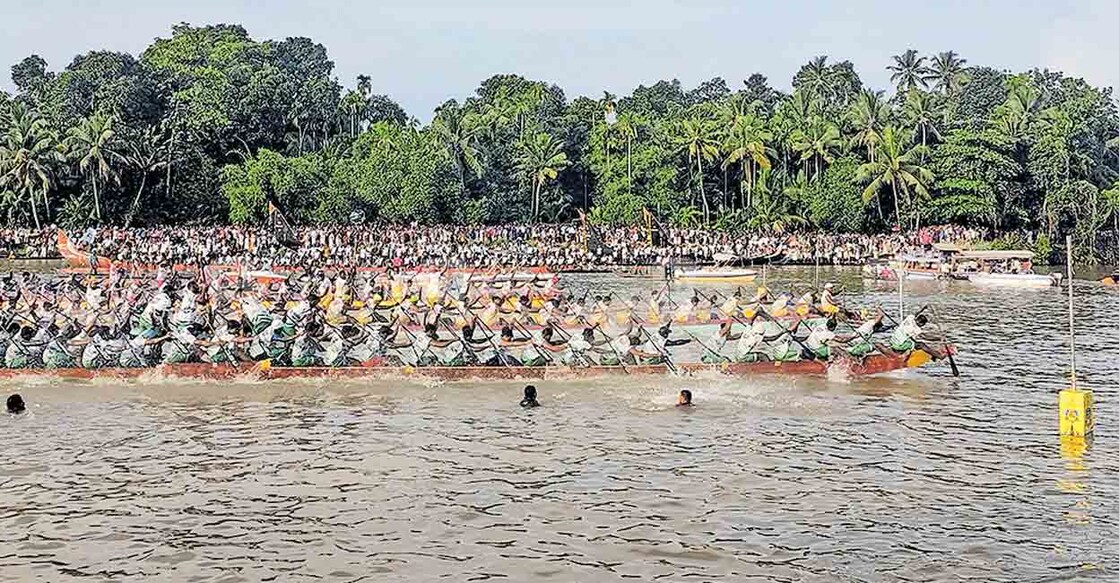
(567, 247)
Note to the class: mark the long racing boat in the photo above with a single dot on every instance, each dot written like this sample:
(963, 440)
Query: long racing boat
(871, 365)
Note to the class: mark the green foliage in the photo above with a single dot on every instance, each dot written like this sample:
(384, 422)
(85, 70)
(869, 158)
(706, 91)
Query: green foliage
(208, 124)
(393, 174)
(835, 203)
(295, 184)
(979, 180)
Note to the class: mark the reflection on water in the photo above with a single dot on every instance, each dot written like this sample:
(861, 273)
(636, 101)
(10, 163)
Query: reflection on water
(916, 476)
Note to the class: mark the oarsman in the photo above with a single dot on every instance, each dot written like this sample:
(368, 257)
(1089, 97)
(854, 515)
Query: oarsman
(652, 351)
(750, 346)
(805, 304)
(860, 344)
(25, 351)
(713, 351)
(513, 350)
(906, 337)
(64, 348)
(828, 305)
(686, 311)
(729, 308)
(818, 342)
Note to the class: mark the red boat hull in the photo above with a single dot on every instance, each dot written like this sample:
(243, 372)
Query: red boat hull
(874, 364)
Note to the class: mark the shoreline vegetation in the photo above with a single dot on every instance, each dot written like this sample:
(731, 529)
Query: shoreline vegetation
(211, 126)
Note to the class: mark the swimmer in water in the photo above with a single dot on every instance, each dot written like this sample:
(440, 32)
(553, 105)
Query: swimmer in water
(685, 399)
(530, 398)
(16, 404)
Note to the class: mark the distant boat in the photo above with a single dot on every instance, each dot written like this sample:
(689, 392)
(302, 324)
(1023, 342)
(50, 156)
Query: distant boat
(715, 275)
(1005, 268)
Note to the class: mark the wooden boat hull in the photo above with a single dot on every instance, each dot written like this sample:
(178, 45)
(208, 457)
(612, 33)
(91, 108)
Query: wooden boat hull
(872, 365)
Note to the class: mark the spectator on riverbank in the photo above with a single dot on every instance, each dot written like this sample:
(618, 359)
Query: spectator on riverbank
(559, 247)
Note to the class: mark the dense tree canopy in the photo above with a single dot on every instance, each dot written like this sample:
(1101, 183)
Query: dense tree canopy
(209, 125)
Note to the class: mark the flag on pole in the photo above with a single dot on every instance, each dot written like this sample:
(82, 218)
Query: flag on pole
(282, 229)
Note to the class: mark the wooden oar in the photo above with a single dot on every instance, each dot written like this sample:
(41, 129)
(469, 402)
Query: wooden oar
(944, 343)
(641, 324)
(497, 350)
(520, 327)
(767, 316)
(609, 344)
(581, 354)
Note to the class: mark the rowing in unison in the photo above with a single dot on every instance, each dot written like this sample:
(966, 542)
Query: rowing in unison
(356, 320)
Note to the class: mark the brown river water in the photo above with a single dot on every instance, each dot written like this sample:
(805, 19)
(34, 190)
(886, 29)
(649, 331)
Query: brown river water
(916, 476)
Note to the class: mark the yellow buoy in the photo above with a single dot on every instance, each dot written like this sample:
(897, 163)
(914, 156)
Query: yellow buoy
(1076, 416)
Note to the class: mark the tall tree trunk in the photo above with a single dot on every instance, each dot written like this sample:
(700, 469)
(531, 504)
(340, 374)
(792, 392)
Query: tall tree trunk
(536, 185)
(34, 211)
(702, 193)
(96, 201)
(897, 205)
(170, 157)
(629, 165)
(135, 201)
(750, 190)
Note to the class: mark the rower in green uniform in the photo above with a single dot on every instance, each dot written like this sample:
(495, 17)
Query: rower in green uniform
(62, 351)
(778, 342)
(306, 348)
(906, 337)
(25, 351)
(822, 333)
(749, 347)
(713, 352)
(860, 344)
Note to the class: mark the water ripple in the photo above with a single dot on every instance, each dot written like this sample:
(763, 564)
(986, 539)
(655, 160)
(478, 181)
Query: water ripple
(910, 478)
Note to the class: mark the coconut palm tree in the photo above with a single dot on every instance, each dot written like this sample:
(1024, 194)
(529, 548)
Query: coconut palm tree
(947, 72)
(353, 103)
(817, 145)
(146, 153)
(922, 110)
(816, 78)
(541, 158)
(909, 71)
(91, 143)
(1020, 110)
(27, 154)
(868, 116)
(629, 127)
(747, 143)
(897, 168)
(457, 130)
(698, 137)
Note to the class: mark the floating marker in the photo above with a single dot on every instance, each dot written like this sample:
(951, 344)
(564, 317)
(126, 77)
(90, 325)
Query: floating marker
(1076, 417)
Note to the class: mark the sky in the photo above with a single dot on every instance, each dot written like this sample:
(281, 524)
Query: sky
(423, 52)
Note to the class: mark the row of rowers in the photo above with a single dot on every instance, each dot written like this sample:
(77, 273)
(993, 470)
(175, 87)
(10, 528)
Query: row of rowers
(133, 325)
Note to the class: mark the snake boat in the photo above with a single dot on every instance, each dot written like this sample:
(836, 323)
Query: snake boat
(871, 365)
